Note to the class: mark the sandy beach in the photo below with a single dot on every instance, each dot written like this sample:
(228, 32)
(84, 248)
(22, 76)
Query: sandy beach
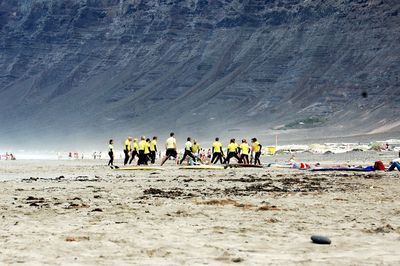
(83, 213)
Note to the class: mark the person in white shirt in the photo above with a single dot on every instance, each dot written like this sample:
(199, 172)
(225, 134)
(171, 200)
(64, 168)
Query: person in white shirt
(188, 150)
(111, 153)
(395, 164)
(170, 145)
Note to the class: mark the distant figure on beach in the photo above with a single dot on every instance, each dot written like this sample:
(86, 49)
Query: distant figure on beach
(170, 145)
(94, 155)
(147, 153)
(12, 157)
(142, 146)
(70, 155)
(100, 155)
(256, 150)
(196, 151)
(232, 151)
(217, 152)
(134, 150)
(127, 149)
(153, 149)
(111, 153)
(395, 163)
(188, 151)
(244, 152)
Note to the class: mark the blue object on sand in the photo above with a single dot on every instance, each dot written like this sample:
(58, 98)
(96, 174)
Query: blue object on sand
(340, 169)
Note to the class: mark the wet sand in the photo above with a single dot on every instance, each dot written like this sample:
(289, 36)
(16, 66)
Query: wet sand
(81, 212)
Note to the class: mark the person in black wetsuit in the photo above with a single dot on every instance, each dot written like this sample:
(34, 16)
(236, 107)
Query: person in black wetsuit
(188, 151)
(111, 153)
(232, 151)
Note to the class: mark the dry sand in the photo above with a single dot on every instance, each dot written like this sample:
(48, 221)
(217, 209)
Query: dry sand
(81, 212)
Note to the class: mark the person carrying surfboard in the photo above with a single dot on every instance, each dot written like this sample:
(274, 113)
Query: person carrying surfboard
(127, 149)
(170, 145)
(217, 152)
(256, 150)
(232, 151)
(153, 149)
(188, 151)
(244, 152)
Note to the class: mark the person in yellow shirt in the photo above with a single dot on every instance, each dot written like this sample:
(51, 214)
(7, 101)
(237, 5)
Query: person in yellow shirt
(256, 149)
(195, 148)
(135, 150)
(153, 149)
(196, 151)
(127, 149)
(244, 152)
(217, 152)
(232, 151)
(147, 153)
(142, 146)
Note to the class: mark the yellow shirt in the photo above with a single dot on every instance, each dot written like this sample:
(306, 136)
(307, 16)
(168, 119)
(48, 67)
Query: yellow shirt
(135, 146)
(256, 146)
(232, 147)
(127, 145)
(153, 145)
(244, 147)
(217, 146)
(147, 148)
(142, 145)
(195, 148)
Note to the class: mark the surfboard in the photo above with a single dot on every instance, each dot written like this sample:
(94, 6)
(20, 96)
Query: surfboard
(242, 165)
(139, 168)
(202, 167)
(274, 165)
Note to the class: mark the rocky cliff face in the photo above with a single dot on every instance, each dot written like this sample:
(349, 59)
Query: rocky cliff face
(80, 68)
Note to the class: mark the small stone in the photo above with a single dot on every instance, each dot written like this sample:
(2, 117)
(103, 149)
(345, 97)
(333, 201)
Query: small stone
(236, 260)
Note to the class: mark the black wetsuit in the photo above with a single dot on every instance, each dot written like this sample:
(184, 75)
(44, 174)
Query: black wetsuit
(217, 156)
(133, 155)
(232, 155)
(187, 153)
(111, 161)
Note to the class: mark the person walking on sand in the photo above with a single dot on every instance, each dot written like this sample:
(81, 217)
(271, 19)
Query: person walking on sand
(188, 151)
(153, 149)
(217, 152)
(127, 149)
(147, 153)
(111, 153)
(244, 152)
(134, 151)
(232, 151)
(256, 150)
(170, 145)
(142, 147)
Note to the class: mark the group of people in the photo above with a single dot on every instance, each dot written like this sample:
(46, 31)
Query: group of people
(8, 156)
(145, 150)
